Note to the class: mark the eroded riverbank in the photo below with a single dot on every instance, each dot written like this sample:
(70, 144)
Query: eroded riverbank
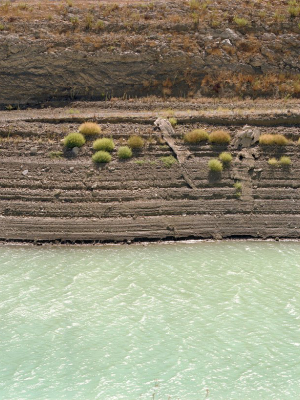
(48, 194)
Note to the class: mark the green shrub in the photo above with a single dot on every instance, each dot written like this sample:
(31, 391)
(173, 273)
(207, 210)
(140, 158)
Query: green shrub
(168, 161)
(100, 25)
(90, 129)
(215, 165)
(74, 140)
(285, 161)
(273, 162)
(135, 142)
(124, 152)
(219, 137)
(269, 139)
(241, 21)
(101, 157)
(293, 9)
(196, 136)
(226, 158)
(238, 186)
(173, 121)
(104, 144)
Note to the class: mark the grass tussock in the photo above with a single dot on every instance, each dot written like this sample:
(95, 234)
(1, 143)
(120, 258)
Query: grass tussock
(55, 154)
(74, 140)
(124, 153)
(90, 129)
(273, 140)
(269, 139)
(215, 165)
(219, 137)
(168, 161)
(104, 144)
(226, 158)
(101, 157)
(135, 142)
(173, 121)
(238, 188)
(285, 161)
(273, 162)
(195, 136)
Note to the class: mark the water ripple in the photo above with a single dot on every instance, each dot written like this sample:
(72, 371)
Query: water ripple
(179, 321)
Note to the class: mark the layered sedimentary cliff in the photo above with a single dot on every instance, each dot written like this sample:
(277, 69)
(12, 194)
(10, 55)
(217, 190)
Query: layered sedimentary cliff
(50, 196)
(78, 50)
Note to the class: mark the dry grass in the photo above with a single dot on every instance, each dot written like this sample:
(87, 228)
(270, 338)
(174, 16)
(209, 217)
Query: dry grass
(272, 140)
(219, 137)
(90, 129)
(135, 142)
(196, 136)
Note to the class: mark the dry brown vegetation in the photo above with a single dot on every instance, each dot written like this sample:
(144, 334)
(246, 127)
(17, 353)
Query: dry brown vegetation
(160, 27)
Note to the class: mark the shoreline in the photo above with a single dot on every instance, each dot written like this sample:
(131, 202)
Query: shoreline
(142, 243)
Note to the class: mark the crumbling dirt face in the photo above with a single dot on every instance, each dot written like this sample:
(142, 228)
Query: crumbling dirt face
(48, 193)
(54, 51)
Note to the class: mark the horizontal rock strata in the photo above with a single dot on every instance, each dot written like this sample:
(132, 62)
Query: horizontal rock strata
(70, 199)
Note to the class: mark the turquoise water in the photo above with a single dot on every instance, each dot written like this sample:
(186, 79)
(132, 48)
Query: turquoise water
(186, 321)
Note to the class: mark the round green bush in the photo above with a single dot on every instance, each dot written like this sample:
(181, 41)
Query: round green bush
(226, 158)
(104, 144)
(74, 140)
(173, 121)
(285, 161)
(101, 157)
(215, 165)
(273, 162)
(135, 142)
(196, 136)
(124, 152)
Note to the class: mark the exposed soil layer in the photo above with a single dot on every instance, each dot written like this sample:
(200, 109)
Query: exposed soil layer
(47, 193)
(67, 50)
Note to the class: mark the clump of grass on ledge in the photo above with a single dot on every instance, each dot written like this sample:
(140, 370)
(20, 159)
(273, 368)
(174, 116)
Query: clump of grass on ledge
(226, 158)
(135, 142)
(168, 161)
(269, 140)
(241, 22)
(238, 188)
(194, 4)
(74, 140)
(215, 165)
(124, 153)
(55, 154)
(196, 136)
(273, 162)
(90, 129)
(173, 121)
(285, 161)
(101, 157)
(105, 144)
(219, 137)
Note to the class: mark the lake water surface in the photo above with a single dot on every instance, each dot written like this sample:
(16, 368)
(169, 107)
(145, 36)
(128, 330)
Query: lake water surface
(188, 321)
